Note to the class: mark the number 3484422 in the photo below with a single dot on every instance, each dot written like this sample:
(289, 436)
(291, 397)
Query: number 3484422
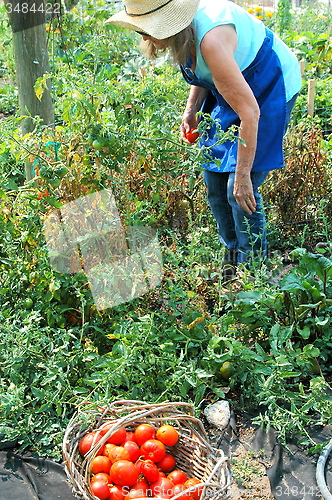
(25, 7)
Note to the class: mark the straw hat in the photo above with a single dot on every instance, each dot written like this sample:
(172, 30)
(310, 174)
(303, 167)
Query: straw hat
(158, 18)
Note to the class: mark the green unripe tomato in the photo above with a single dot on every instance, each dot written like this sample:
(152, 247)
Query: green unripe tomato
(61, 172)
(54, 183)
(98, 144)
(28, 303)
(227, 370)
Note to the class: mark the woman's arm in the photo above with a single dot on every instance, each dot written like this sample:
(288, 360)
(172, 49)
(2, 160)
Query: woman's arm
(217, 48)
(194, 103)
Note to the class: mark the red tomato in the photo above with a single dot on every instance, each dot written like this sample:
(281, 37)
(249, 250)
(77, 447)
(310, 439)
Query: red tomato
(101, 476)
(153, 450)
(178, 488)
(124, 473)
(162, 488)
(150, 471)
(141, 484)
(133, 450)
(192, 136)
(130, 436)
(88, 441)
(138, 465)
(119, 435)
(116, 492)
(107, 449)
(143, 432)
(118, 453)
(195, 492)
(100, 463)
(167, 434)
(100, 490)
(167, 464)
(177, 476)
(135, 494)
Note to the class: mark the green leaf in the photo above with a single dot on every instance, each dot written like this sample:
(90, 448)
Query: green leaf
(304, 332)
(38, 393)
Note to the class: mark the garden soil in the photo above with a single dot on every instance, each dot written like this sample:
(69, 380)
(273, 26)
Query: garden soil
(262, 468)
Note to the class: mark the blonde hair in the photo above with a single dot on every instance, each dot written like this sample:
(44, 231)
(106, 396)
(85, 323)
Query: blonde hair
(181, 46)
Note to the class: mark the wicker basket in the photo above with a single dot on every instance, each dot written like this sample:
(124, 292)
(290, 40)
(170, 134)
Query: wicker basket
(193, 453)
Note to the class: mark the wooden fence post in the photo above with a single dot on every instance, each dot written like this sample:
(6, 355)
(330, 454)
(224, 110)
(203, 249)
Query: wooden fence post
(311, 97)
(27, 20)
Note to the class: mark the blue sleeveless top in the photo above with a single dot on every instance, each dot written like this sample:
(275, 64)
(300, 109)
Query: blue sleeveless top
(258, 55)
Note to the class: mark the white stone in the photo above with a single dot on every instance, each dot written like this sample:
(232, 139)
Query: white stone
(218, 414)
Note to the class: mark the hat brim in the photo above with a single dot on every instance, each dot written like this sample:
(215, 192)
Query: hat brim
(163, 23)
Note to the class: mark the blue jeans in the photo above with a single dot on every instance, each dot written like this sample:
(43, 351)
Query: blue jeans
(243, 235)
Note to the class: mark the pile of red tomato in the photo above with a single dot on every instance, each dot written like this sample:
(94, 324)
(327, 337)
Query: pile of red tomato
(137, 464)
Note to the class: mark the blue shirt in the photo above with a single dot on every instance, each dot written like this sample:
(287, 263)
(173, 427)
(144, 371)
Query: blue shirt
(251, 33)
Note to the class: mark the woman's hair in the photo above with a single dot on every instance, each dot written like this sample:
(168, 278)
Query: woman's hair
(181, 46)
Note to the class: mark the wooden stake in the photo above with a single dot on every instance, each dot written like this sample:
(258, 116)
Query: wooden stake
(311, 97)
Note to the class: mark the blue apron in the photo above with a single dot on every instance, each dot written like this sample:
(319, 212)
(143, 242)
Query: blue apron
(265, 78)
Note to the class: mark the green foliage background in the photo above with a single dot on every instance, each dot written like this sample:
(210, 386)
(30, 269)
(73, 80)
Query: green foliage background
(57, 349)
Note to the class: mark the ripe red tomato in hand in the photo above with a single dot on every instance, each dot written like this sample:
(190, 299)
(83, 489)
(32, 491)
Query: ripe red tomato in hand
(100, 489)
(154, 450)
(192, 136)
(143, 432)
(124, 473)
(167, 434)
(167, 463)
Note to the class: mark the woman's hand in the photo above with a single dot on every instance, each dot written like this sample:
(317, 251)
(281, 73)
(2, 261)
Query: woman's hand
(188, 123)
(243, 191)
(194, 103)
